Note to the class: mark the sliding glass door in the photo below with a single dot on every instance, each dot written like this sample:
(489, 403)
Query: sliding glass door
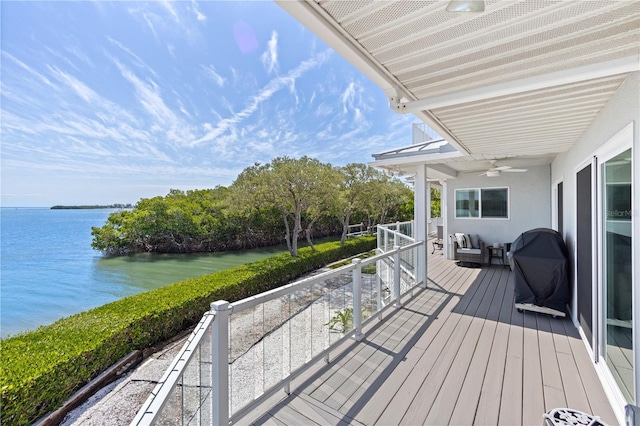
(616, 269)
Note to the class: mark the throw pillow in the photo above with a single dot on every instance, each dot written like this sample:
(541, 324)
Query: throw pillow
(460, 240)
(475, 241)
(467, 241)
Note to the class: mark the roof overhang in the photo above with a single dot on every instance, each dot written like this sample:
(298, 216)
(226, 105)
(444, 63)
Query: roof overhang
(523, 79)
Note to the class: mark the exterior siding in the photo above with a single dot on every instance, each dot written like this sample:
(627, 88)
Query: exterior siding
(529, 204)
(621, 110)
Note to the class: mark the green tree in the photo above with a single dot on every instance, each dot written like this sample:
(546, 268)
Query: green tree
(287, 196)
(295, 187)
(352, 195)
(435, 202)
(381, 199)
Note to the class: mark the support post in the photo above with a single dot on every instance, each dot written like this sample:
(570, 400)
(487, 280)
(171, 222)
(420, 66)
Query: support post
(396, 276)
(220, 363)
(357, 300)
(421, 217)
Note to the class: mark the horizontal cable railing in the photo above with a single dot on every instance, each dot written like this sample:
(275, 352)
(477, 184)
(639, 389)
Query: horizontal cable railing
(183, 395)
(396, 234)
(243, 352)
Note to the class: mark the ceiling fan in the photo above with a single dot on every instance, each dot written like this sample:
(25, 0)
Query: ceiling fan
(495, 170)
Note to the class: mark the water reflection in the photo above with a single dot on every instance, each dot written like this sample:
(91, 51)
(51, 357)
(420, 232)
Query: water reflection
(126, 275)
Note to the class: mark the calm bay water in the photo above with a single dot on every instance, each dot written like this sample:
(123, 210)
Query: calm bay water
(49, 270)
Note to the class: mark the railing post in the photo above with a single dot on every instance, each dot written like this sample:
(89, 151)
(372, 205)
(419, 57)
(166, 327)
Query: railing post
(386, 239)
(357, 300)
(220, 363)
(396, 276)
(421, 264)
(379, 288)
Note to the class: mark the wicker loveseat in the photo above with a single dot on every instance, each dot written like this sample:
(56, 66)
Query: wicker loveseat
(468, 248)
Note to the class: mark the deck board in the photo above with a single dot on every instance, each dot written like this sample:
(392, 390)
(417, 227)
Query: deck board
(511, 400)
(532, 391)
(455, 353)
(464, 414)
(553, 385)
(371, 409)
(598, 401)
(445, 402)
(488, 408)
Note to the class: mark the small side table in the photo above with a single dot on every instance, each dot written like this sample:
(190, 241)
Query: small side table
(497, 252)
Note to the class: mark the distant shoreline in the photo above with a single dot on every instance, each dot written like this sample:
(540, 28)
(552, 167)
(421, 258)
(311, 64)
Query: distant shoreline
(110, 206)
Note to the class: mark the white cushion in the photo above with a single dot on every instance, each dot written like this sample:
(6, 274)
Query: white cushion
(460, 240)
(469, 251)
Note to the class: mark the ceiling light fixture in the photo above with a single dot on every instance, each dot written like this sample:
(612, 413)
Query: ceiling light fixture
(466, 6)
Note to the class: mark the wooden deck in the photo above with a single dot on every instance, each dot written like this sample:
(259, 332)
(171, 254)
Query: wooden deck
(457, 353)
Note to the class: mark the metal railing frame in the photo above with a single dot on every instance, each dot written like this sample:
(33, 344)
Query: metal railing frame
(218, 320)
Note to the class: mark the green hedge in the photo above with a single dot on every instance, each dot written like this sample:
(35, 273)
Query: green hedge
(42, 368)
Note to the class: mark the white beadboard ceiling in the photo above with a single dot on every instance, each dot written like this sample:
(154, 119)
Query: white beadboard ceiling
(523, 79)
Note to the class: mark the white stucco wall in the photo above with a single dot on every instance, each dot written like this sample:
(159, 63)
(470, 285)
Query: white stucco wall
(529, 198)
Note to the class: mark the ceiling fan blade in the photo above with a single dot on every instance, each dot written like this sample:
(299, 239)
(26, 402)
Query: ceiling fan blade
(501, 168)
(514, 170)
(482, 174)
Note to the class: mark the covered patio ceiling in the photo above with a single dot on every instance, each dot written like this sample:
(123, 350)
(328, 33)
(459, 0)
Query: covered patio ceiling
(445, 162)
(522, 80)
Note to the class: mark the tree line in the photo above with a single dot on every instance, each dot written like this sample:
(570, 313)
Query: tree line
(287, 199)
(93, 207)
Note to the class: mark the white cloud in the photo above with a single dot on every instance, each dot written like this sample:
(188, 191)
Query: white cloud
(199, 15)
(168, 5)
(323, 110)
(348, 97)
(164, 119)
(210, 72)
(270, 56)
(75, 50)
(76, 85)
(263, 95)
(149, 20)
(31, 71)
(138, 62)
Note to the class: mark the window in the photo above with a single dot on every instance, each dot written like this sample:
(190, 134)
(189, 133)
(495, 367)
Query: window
(488, 203)
(467, 203)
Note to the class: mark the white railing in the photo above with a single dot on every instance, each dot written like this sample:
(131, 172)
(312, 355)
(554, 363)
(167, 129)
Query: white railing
(243, 352)
(183, 395)
(395, 234)
(360, 229)
(423, 133)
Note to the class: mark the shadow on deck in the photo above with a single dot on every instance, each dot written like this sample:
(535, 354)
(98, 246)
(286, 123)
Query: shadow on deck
(455, 353)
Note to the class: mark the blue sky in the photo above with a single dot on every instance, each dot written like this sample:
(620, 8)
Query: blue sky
(110, 102)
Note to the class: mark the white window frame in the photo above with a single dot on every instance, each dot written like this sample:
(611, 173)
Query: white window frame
(480, 217)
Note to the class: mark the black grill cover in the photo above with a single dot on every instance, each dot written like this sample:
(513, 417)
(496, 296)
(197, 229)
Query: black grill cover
(540, 266)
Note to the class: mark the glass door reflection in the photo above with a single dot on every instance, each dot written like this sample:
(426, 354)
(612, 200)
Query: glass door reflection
(617, 270)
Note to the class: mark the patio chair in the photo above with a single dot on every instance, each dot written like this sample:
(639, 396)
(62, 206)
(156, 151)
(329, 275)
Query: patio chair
(468, 249)
(438, 243)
